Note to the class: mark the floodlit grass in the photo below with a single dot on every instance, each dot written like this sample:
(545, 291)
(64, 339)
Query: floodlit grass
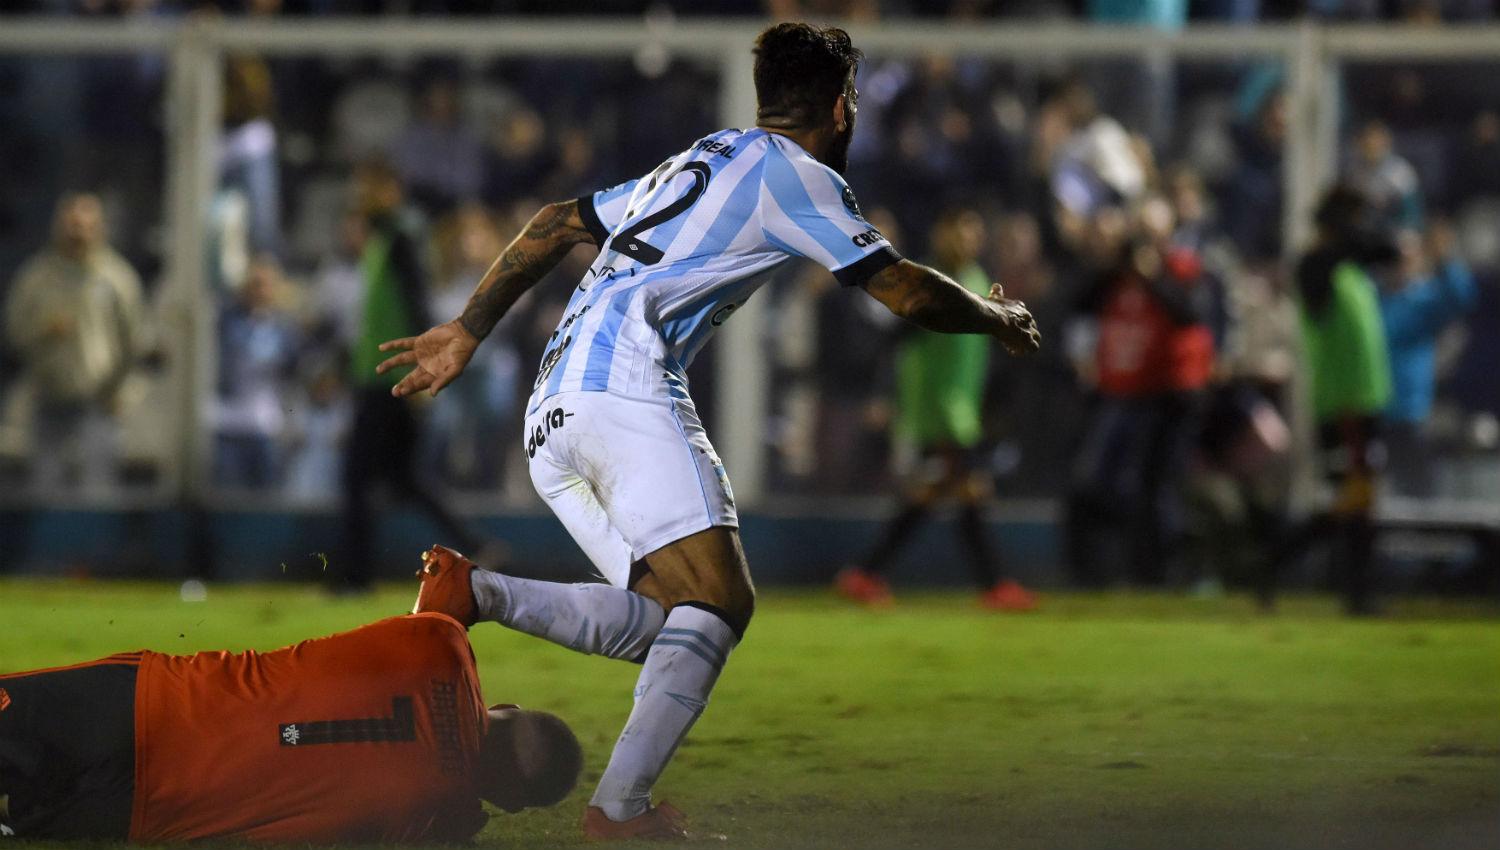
(1100, 722)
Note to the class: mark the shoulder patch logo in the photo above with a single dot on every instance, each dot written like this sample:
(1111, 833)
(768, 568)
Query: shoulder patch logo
(4, 700)
(850, 204)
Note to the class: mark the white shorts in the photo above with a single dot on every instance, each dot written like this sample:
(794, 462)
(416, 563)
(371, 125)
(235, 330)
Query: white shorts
(626, 476)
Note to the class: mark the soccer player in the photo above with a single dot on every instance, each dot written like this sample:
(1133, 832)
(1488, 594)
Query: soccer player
(377, 735)
(615, 445)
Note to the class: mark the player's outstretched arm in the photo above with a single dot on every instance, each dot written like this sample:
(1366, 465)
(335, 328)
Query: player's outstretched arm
(930, 299)
(441, 353)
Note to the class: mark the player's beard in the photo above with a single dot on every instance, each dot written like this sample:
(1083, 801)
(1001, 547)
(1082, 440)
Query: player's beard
(838, 149)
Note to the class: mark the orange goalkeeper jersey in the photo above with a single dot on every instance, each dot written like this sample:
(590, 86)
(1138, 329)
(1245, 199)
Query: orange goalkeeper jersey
(370, 736)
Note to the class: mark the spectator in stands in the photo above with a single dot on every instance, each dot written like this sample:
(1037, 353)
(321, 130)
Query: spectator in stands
(940, 382)
(1253, 205)
(1026, 400)
(517, 157)
(1345, 10)
(1348, 368)
(319, 427)
(120, 108)
(939, 137)
(1095, 164)
(1432, 291)
(1229, 11)
(338, 292)
(470, 425)
(383, 441)
(1143, 91)
(1018, 258)
(576, 168)
(1196, 227)
(853, 380)
(248, 166)
(1152, 364)
(1385, 178)
(1241, 489)
(258, 347)
(439, 157)
(785, 10)
(76, 321)
(1477, 162)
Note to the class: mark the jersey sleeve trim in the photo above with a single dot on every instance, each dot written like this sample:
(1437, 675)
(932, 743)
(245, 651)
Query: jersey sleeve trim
(591, 220)
(861, 270)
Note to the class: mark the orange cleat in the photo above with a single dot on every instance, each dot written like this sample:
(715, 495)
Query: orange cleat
(445, 586)
(659, 823)
(1008, 596)
(864, 587)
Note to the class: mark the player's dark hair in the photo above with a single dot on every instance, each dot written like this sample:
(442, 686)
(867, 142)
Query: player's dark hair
(1351, 231)
(529, 759)
(800, 70)
(557, 776)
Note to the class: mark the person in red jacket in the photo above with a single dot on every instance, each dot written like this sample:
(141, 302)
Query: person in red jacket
(373, 736)
(1152, 364)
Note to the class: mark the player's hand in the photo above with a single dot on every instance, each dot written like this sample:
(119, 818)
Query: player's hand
(440, 355)
(1017, 331)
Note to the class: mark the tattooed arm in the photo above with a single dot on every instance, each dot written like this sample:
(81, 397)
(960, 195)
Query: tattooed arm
(441, 353)
(540, 247)
(929, 299)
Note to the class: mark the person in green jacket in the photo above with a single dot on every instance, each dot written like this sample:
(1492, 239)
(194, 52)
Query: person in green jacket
(1349, 377)
(382, 444)
(940, 394)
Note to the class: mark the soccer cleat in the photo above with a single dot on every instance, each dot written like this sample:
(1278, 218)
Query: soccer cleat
(864, 587)
(445, 586)
(659, 823)
(1008, 595)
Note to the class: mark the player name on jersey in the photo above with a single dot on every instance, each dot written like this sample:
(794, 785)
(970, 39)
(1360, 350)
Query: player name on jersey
(710, 145)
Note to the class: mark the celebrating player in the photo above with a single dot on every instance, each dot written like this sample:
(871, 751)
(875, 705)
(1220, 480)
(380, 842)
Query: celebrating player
(377, 735)
(615, 445)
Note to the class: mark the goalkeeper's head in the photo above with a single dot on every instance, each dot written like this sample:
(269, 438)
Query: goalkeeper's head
(527, 759)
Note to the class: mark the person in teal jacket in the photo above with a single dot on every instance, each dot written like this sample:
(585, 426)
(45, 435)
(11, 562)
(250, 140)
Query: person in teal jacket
(1416, 307)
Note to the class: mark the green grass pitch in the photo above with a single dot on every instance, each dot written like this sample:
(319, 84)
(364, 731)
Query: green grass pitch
(1100, 722)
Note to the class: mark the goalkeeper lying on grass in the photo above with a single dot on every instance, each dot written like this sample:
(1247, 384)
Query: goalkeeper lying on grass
(377, 735)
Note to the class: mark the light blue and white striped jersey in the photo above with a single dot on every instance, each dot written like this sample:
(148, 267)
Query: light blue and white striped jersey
(686, 245)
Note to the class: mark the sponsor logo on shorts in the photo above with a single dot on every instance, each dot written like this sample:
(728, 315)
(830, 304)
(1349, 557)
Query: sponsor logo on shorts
(536, 436)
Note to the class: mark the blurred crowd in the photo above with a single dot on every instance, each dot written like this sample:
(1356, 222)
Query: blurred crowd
(1136, 206)
(1160, 13)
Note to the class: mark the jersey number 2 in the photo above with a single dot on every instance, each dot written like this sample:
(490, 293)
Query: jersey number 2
(629, 242)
